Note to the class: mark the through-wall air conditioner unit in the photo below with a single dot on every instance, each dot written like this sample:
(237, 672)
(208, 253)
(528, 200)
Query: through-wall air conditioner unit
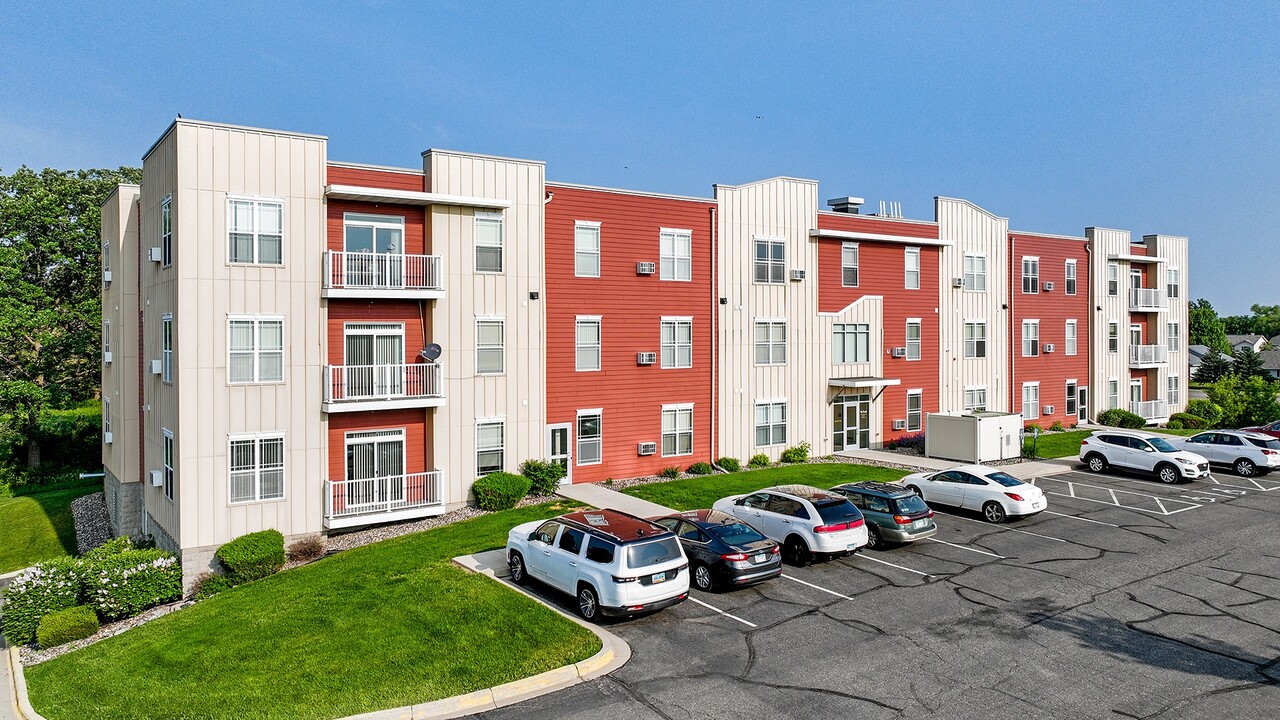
(155, 254)
(646, 358)
(899, 424)
(157, 478)
(1048, 287)
(898, 352)
(646, 268)
(647, 448)
(106, 438)
(155, 367)
(957, 282)
(106, 357)
(106, 277)
(1047, 347)
(797, 274)
(1047, 410)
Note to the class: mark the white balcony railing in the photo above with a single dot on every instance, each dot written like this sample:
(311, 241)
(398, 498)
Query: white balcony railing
(354, 271)
(370, 496)
(1148, 354)
(1147, 299)
(366, 383)
(1149, 409)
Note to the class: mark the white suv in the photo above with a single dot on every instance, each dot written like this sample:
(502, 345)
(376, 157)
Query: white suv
(612, 562)
(806, 520)
(1246, 453)
(1144, 452)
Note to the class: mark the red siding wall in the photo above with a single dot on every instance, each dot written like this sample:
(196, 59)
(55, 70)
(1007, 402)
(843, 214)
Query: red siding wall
(631, 306)
(413, 420)
(414, 223)
(369, 177)
(341, 311)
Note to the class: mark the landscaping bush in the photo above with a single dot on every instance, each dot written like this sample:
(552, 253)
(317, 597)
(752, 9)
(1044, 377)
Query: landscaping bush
(912, 442)
(63, 626)
(1174, 425)
(45, 588)
(543, 476)
(701, 468)
(500, 490)
(125, 584)
(1205, 410)
(796, 453)
(759, 460)
(111, 547)
(671, 473)
(1116, 417)
(1056, 426)
(1187, 420)
(729, 464)
(307, 549)
(210, 584)
(1032, 428)
(253, 556)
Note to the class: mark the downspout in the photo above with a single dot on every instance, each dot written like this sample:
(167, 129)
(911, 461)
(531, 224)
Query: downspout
(714, 336)
(142, 473)
(1014, 347)
(1088, 318)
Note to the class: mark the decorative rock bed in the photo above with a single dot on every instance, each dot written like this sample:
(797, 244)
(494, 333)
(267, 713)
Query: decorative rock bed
(92, 522)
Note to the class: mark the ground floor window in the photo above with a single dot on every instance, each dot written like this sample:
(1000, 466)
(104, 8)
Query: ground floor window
(771, 423)
(490, 446)
(975, 399)
(1030, 401)
(915, 410)
(256, 465)
(1071, 398)
(590, 437)
(677, 430)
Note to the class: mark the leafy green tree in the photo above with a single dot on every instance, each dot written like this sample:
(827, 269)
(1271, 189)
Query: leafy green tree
(1213, 367)
(1266, 320)
(1246, 364)
(1244, 401)
(1204, 327)
(50, 283)
(1238, 324)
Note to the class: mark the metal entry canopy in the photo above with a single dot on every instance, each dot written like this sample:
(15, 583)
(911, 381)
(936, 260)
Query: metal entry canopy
(864, 382)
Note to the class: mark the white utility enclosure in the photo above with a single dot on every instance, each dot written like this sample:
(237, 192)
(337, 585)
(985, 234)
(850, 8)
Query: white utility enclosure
(974, 437)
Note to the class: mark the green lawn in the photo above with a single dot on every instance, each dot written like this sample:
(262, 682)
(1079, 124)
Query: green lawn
(1057, 444)
(38, 527)
(382, 626)
(700, 492)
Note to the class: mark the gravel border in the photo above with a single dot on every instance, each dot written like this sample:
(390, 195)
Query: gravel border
(33, 654)
(92, 522)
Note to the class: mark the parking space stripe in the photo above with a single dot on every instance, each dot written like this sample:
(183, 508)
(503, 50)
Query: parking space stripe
(817, 587)
(712, 608)
(1255, 485)
(884, 562)
(963, 547)
(1078, 491)
(1000, 528)
(1085, 519)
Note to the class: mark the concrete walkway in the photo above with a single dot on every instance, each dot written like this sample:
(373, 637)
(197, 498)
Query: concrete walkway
(8, 702)
(1022, 470)
(597, 495)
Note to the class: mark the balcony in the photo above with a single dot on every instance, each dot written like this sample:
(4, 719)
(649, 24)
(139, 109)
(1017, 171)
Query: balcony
(382, 275)
(352, 388)
(349, 503)
(1148, 356)
(1147, 300)
(1150, 409)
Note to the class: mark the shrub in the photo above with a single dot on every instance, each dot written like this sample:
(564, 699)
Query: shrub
(63, 626)
(701, 468)
(306, 549)
(729, 464)
(671, 473)
(1033, 428)
(1056, 426)
(253, 556)
(125, 584)
(1186, 420)
(45, 588)
(543, 476)
(500, 490)
(912, 442)
(1205, 410)
(111, 547)
(210, 584)
(796, 453)
(759, 460)
(1174, 425)
(1116, 417)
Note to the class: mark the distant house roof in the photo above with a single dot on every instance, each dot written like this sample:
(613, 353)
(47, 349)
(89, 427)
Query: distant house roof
(1270, 360)
(1275, 341)
(1252, 340)
(1196, 353)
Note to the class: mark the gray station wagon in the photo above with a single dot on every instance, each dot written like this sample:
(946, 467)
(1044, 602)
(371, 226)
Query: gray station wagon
(894, 514)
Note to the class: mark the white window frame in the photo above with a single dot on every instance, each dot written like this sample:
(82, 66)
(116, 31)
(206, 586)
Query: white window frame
(168, 453)
(481, 219)
(677, 413)
(774, 269)
(1113, 393)
(499, 348)
(1073, 395)
(166, 348)
(256, 234)
(1035, 400)
(1173, 391)
(1030, 338)
(975, 272)
(588, 441)
(258, 469)
(775, 349)
(166, 230)
(1070, 337)
(1069, 277)
(911, 268)
(975, 398)
(676, 352)
(106, 414)
(500, 448)
(106, 257)
(975, 339)
(584, 233)
(1173, 336)
(774, 425)
(915, 418)
(856, 335)
(675, 254)
(916, 343)
(1030, 274)
(257, 353)
(581, 322)
(1113, 279)
(1172, 278)
(106, 340)
(1113, 337)
(849, 264)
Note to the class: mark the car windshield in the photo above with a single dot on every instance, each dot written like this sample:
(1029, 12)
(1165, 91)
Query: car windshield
(910, 505)
(837, 511)
(1004, 479)
(1161, 445)
(652, 553)
(1268, 443)
(736, 533)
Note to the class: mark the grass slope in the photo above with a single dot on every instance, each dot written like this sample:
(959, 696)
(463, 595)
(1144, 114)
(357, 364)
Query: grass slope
(382, 626)
(38, 527)
(701, 492)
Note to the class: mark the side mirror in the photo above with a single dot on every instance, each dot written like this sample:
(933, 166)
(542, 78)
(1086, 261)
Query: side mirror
(739, 501)
(533, 536)
(1148, 448)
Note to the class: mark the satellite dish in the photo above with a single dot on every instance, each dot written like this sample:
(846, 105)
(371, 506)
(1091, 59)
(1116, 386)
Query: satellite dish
(431, 352)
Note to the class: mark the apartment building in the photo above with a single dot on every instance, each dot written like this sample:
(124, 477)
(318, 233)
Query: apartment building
(308, 345)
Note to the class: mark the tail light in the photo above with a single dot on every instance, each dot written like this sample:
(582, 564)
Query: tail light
(856, 524)
(1084, 442)
(902, 519)
(1270, 452)
(776, 549)
(734, 556)
(837, 527)
(1015, 496)
(624, 579)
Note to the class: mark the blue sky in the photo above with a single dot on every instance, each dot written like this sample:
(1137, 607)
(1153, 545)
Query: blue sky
(1151, 117)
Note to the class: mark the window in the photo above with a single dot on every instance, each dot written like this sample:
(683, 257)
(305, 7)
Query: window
(168, 463)
(1113, 279)
(488, 242)
(106, 341)
(106, 259)
(1175, 391)
(256, 465)
(256, 350)
(851, 343)
(1069, 338)
(912, 264)
(1071, 398)
(255, 231)
(166, 347)
(675, 250)
(771, 260)
(1113, 393)
(106, 414)
(1030, 338)
(1113, 337)
(677, 342)
(166, 231)
(1174, 335)
(771, 342)
(677, 430)
(1030, 400)
(586, 249)
(1070, 277)
(1171, 282)
(849, 264)
(975, 399)
(913, 339)
(1030, 275)
(975, 273)
(586, 343)
(771, 423)
(590, 437)
(599, 551)
(571, 540)
(975, 339)
(490, 439)
(490, 344)
(915, 409)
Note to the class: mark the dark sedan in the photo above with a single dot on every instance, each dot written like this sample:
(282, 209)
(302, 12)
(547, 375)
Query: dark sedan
(723, 551)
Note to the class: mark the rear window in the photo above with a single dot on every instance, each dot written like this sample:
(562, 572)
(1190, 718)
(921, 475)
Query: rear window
(736, 533)
(600, 551)
(653, 553)
(910, 505)
(1004, 479)
(837, 511)
(1269, 443)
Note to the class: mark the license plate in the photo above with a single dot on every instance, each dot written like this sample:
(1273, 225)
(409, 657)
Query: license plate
(920, 523)
(757, 559)
(659, 577)
(1036, 505)
(853, 546)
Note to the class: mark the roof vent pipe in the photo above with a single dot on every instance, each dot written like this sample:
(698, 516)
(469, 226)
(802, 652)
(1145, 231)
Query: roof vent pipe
(848, 205)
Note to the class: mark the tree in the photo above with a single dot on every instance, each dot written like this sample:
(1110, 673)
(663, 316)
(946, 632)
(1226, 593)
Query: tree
(1204, 327)
(1213, 367)
(50, 283)
(1238, 324)
(1247, 363)
(1244, 401)
(1266, 320)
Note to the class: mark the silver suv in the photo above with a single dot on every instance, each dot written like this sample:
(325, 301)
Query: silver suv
(1143, 452)
(1246, 453)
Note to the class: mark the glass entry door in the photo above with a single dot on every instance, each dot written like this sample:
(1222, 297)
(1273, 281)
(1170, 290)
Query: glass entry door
(560, 448)
(374, 247)
(852, 422)
(375, 360)
(1082, 405)
(375, 468)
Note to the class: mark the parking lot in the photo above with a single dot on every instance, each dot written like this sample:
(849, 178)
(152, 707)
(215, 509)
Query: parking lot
(1126, 598)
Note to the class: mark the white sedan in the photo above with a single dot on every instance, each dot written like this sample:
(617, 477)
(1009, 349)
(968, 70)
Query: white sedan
(997, 495)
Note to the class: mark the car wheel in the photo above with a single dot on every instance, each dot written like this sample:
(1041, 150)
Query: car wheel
(873, 539)
(1167, 474)
(1246, 468)
(702, 577)
(588, 604)
(915, 490)
(519, 575)
(797, 552)
(993, 512)
(1095, 462)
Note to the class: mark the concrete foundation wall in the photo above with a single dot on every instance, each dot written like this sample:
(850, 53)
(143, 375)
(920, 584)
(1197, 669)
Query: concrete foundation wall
(124, 505)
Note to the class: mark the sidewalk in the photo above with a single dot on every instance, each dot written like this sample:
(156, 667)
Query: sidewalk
(8, 703)
(1022, 470)
(597, 495)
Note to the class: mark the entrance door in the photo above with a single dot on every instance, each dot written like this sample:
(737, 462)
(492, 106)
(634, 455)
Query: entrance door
(1135, 395)
(375, 468)
(375, 360)
(1082, 405)
(374, 247)
(560, 448)
(852, 422)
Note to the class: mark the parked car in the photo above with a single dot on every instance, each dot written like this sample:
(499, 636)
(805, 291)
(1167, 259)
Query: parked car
(996, 494)
(1246, 453)
(1143, 452)
(807, 521)
(893, 513)
(1271, 428)
(723, 550)
(612, 562)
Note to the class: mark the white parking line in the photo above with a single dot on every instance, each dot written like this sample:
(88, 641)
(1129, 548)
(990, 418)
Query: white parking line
(1080, 491)
(962, 547)
(1085, 519)
(817, 587)
(1253, 484)
(716, 609)
(900, 567)
(1004, 529)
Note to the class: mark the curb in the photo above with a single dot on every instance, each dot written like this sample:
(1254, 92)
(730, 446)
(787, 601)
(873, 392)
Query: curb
(22, 704)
